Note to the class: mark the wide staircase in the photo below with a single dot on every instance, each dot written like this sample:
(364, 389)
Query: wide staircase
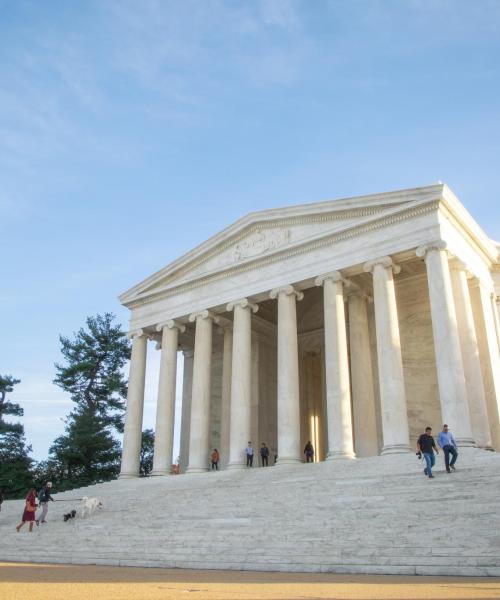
(374, 515)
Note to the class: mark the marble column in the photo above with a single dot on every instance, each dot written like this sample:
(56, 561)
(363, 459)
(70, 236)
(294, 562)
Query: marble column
(338, 392)
(495, 307)
(187, 389)
(362, 384)
(165, 407)
(390, 364)
(470, 355)
(289, 450)
(241, 382)
(227, 357)
(132, 435)
(200, 401)
(488, 352)
(449, 364)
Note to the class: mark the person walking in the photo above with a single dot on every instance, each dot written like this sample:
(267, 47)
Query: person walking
(1, 498)
(449, 446)
(215, 460)
(264, 455)
(29, 510)
(44, 497)
(309, 452)
(427, 446)
(249, 453)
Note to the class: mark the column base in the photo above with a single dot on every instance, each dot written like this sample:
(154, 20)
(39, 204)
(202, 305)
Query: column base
(465, 442)
(287, 460)
(340, 456)
(196, 470)
(159, 473)
(128, 475)
(396, 449)
(236, 466)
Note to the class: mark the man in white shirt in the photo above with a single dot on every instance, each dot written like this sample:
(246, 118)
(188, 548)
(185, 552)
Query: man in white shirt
(249, 453)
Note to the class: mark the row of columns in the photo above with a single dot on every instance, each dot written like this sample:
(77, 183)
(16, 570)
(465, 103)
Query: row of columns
(461, 389)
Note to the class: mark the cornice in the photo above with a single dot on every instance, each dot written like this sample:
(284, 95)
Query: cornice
(292, 251)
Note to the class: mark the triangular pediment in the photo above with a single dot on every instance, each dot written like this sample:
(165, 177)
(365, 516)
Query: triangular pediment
(267, 233)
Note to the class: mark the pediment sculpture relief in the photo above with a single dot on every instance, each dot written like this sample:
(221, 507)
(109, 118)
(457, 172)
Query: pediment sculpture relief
(260, 242)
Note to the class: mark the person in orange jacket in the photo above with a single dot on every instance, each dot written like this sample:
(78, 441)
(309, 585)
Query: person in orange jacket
(215, 459)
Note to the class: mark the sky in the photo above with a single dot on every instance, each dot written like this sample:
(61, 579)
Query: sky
(130, 132)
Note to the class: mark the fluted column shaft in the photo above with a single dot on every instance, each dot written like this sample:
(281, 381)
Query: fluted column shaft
(363, 395)
(449, 365)
(187, 389)
(165, 407)
(470, 355)
(288, 376)
(390, 365)
(132, 435)
(241, 382)
(200, 401)
(227, 357)
(338, 393)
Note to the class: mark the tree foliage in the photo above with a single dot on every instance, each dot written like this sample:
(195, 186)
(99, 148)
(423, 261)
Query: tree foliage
(15, 462)
(92, 372)
(147, 448)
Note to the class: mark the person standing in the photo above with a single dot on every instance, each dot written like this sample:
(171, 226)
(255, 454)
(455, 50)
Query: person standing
(309, 452)
(264, 455)
(215, 460)
(427, 446)
(449, 446)
(1, 498)
(44, 497)
(29, 510)
(249, 453)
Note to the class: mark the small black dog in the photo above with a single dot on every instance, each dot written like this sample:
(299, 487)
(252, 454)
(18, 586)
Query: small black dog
(70, 515)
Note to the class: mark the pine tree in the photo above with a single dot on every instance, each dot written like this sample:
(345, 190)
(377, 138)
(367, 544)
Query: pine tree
(93, 370)
(87, 451)
(15, 463)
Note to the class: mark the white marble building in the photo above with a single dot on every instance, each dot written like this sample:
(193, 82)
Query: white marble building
(351, 323)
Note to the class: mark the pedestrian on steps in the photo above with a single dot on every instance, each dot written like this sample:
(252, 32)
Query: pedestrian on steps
(44, 497)
(449, 446)
(249, 453)
(309, 452)
(264, 455)
(29, 510)
(215, 460)
(427, 446)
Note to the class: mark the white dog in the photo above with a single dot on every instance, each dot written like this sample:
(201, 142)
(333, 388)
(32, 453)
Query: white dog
(90, 505)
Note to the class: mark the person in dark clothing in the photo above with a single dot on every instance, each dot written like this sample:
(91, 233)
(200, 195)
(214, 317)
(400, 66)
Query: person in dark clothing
(309, 452)
(1, 498)
(427, 446)
(249, 454)
(264, 455)
(44, 497)
(215, 459)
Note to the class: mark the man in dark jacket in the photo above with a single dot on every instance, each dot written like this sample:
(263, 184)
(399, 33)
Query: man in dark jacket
(427, 446)
(264, 455)
(44, 497)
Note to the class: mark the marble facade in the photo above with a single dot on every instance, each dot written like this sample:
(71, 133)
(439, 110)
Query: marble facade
(352, 323)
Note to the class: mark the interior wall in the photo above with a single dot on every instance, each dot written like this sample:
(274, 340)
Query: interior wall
(417, 349)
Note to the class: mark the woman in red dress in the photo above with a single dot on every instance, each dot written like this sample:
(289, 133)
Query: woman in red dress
(29, 510)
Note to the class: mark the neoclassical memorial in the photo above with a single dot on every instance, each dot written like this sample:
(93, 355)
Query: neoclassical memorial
(352, 323)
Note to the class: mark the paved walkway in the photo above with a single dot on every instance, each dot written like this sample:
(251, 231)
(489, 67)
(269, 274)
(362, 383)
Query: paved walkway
(70, 582)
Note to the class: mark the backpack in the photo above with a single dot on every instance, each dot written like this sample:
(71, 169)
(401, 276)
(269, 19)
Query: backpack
(41, 494)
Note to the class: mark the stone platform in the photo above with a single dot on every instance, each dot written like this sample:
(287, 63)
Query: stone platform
(376, 515)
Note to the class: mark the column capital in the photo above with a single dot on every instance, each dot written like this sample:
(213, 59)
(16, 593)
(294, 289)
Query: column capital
(435, 245)
(288, 290)
(136, 333)
(188, 353)
(334, 276)
(383, 261)
(203, 314)
(243, 303)
(171, 324)
(458, 265)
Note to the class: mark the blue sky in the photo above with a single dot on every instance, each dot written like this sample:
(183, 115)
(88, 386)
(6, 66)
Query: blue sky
(132, 131)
